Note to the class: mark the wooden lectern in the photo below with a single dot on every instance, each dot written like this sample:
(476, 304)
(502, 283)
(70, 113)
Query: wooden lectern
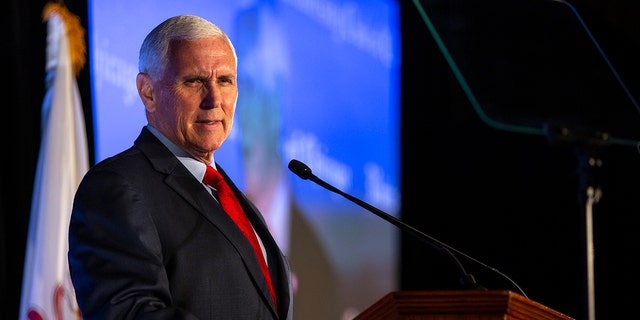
(458, 304)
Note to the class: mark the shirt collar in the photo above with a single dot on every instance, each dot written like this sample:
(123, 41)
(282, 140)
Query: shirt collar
(194, 166)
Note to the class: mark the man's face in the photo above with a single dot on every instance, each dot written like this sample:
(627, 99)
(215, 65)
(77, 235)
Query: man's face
(194, 102)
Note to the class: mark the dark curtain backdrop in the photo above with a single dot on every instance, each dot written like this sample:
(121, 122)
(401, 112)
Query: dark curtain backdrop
(508, 200)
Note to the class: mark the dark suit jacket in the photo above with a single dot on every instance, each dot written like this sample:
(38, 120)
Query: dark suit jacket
(147, 241)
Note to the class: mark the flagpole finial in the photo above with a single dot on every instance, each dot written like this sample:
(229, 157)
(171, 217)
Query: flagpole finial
(75, 32)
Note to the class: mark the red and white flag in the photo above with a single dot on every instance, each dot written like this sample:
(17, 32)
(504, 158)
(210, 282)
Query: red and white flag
(47, 292)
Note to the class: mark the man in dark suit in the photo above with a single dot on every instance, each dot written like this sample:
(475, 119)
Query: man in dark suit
(147, 239)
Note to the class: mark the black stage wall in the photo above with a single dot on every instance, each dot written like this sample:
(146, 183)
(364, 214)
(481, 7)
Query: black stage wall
(512, 200)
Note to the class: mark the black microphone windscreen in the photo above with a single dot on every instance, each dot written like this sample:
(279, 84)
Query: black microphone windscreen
(300, 169)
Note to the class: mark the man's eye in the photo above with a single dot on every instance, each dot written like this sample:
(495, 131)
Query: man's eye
(193, 82)
(226, 80)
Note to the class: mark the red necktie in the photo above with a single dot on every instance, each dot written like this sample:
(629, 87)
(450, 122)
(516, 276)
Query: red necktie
(231, 205)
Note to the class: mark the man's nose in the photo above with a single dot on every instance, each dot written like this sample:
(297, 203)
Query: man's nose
(212, 95)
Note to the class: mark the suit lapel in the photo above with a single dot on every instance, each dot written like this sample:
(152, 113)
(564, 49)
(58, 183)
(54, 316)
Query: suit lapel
(278, 264)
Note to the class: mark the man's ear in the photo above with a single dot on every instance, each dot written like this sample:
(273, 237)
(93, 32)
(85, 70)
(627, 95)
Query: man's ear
(145, 90)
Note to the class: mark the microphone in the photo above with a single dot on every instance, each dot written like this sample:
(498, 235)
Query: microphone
(466, 280)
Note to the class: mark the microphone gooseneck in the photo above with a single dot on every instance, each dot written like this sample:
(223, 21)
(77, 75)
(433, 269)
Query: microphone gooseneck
(467, 280)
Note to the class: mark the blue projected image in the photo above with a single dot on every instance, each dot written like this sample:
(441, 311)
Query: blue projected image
(319, 81)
